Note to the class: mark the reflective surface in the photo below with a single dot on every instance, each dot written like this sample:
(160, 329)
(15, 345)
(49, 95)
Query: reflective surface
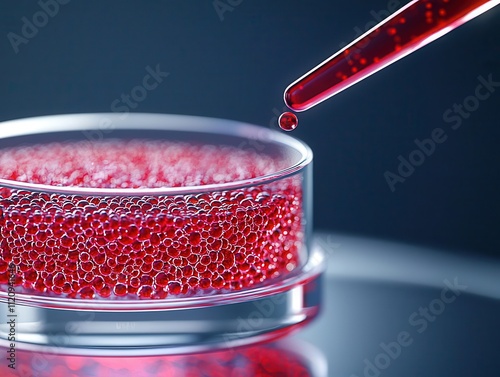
(389, 310)
(278, 359)
(398, 310)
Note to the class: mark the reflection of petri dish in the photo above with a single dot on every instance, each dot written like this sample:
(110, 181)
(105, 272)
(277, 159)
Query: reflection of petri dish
(272, 359)
(191, 255)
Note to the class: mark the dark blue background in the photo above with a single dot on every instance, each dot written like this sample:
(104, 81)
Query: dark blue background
(237, 68)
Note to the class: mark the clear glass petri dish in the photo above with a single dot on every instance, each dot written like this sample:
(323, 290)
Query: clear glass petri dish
(153, 234)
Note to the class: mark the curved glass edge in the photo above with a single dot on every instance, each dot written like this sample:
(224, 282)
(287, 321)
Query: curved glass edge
(160, 122)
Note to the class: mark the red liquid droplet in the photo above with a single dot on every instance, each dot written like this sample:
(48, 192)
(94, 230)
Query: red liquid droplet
(288, 121)
(412, 27)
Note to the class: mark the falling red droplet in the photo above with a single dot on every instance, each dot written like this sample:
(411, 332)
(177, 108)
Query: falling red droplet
(288, 121)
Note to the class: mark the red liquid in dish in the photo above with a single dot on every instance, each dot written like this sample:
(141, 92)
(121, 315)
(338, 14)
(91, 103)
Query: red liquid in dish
(81, 246)
(415, 25)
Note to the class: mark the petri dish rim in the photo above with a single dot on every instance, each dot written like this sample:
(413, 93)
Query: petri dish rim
(151, 122)
(163, 122)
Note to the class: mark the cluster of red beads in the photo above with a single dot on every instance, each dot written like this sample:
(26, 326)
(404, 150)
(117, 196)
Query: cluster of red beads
(149, 247)
(254, 361)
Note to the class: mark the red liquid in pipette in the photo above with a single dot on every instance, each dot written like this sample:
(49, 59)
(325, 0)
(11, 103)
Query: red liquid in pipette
(412, 27)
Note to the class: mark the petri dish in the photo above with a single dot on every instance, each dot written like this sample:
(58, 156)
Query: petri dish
(144, 234)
